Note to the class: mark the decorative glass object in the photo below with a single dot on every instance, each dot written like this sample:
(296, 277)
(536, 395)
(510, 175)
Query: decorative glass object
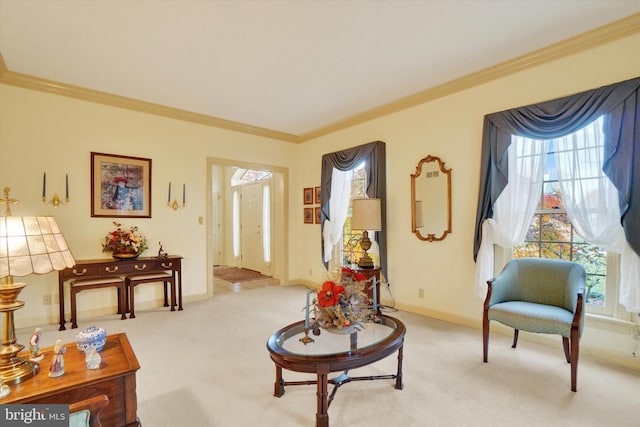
(4, 389)
(92, 358)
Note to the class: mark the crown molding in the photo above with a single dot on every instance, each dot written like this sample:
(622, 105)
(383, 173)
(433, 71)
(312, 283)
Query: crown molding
(599, 36)
(77, 92)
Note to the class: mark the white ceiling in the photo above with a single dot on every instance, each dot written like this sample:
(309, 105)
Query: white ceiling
(288, 66)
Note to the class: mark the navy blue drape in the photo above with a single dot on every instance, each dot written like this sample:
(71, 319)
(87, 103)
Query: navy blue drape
(619, 103)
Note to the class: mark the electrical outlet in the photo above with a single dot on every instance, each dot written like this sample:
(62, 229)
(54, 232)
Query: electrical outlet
(46, 299)
(420, 293)
(636, 333)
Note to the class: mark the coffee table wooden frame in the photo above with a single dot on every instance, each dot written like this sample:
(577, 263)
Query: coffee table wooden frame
(323, 365)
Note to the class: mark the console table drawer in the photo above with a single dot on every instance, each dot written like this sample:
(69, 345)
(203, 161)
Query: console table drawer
(79, 271)
(167, 264)
(119, 267)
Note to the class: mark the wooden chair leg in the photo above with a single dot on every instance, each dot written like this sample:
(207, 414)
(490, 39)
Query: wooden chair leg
(132, 313)
(485, 337)
(575, 353)
(166, 298)
(516, 332)
(121, 302)
(74, 322)
(173, 295)
(567, 352)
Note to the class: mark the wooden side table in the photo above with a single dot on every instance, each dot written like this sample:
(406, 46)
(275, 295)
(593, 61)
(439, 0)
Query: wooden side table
(369, 273)
(116, 378)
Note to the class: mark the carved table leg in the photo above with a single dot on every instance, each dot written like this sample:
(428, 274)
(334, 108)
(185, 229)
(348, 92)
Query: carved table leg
(399, 374)
(322, 416)
(278, 386)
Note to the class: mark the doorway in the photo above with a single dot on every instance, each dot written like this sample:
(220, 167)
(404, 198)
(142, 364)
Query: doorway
(226, 244)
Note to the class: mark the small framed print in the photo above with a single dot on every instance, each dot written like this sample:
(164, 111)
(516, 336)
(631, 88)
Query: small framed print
(317, 215)
(308, 215)
(316, 195)
(307, 196)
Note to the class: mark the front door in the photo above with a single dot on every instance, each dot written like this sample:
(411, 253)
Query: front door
(251, 227)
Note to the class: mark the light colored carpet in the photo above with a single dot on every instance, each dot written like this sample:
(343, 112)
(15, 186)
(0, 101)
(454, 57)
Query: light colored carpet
(208, 366)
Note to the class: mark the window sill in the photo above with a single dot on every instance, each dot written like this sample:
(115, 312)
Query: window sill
(609, 323)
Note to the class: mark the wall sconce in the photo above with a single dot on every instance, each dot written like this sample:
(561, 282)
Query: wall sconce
(174, 205)
(55, 200)
(366, 215)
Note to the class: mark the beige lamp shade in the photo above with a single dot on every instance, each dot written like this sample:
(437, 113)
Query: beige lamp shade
(32, 245)
(366, 214)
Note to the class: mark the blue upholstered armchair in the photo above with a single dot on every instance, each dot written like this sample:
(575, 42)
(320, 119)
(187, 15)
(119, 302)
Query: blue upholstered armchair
(542, 296)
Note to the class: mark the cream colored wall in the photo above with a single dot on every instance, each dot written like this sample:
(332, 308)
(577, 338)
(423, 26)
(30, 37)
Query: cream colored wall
(451, 128)
(43, 132)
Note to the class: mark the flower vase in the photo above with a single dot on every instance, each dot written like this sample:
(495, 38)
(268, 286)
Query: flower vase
(128, 255)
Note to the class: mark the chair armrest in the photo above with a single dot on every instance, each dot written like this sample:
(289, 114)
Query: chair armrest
(94, 405)
(578, 316)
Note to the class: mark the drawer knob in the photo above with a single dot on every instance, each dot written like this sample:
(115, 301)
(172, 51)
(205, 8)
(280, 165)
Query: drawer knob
(167, 265)
(80, 273)
(140, 267)
(109, 270)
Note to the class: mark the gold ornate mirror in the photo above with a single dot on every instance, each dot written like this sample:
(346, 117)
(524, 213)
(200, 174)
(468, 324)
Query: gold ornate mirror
(431, 200)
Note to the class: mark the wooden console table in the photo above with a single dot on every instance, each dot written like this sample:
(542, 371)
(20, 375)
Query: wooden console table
(115, 378)
(97, 268)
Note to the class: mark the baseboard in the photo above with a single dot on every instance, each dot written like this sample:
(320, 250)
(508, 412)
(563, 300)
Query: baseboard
(630, 359)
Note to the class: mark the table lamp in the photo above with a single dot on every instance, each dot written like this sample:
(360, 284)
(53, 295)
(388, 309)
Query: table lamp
(366, 215)
(27, 245)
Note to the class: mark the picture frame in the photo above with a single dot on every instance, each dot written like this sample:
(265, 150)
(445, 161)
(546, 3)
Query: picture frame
(307, 196)
(317, 215)
(316, 195)
(120, 186)
(308, 215)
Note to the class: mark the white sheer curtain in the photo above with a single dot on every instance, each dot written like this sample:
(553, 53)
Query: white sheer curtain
(514, 208)
(591, 201)
(338, 210)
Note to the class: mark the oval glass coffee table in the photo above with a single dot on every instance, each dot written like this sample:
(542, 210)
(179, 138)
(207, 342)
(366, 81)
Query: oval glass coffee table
(333, 352)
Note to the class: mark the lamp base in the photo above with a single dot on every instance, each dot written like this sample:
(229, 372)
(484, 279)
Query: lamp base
(13, 369)
(365, 262)
(17, 370)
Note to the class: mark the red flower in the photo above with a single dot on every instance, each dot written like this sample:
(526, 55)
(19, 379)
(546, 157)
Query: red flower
(347, 270)
(330, 294)
(359, 277)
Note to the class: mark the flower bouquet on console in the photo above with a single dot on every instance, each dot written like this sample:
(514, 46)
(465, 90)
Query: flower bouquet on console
(342, 306)
(124, 242)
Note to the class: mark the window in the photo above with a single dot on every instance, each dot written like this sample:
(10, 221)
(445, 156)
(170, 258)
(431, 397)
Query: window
(266, 222)
(350, 252)
(610, 219)
(336, 192)
(551, 235)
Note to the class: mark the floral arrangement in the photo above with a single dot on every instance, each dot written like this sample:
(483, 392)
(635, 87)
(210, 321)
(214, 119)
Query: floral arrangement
(124, 240)
(343, 305)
